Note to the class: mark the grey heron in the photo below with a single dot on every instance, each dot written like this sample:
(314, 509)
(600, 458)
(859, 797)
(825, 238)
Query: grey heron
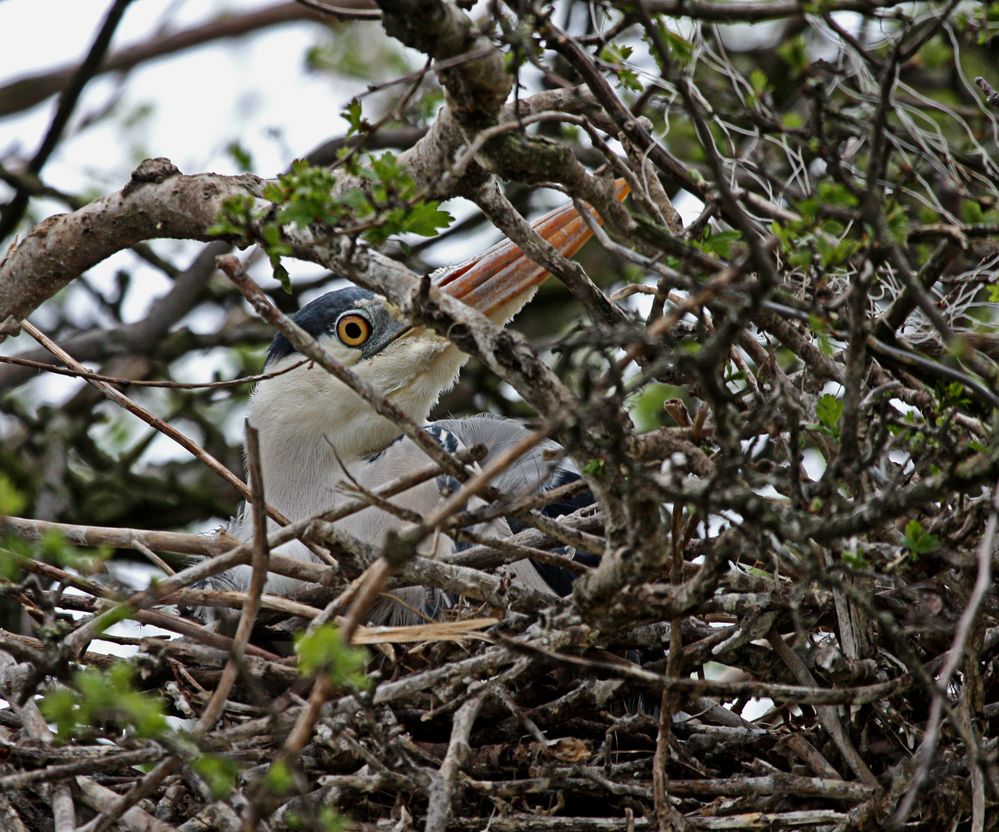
(315, 433)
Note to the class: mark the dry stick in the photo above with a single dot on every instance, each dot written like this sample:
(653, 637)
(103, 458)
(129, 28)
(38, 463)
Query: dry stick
(92, 535)
(991, 96)
(79, 535)
(379, 573)
(77, 641)
(63, 810)
(530, 502)
(479, 482)
(153, 558)
(30, 90)
(795, 694)
(87, 765)
(509, 552)
(523, 822)
(503, 695)
(389, 489)
(119, 381)
(208, 598)
(683, 306)
(965, 714)
(556, 530)
(69, 98)
(192, 630)
(12, 821)
(158, 593)
(220, 543)
(785, 785)
(334, 606)
(258, 578)
(828, 715)
(961, 635)
(443, 785)
(494, 204)
(155, 617)
(132, 818)
(482, 555)
(667, 816)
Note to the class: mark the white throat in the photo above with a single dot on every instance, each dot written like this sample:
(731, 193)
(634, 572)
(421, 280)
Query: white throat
(311, 425)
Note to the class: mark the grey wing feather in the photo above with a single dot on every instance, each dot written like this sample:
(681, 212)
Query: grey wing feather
(532, 472)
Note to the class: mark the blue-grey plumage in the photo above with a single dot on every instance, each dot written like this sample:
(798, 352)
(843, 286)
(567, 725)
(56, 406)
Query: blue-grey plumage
(314, 430)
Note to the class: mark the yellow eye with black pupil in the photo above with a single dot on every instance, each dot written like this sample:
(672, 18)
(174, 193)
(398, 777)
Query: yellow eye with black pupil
(353, 330)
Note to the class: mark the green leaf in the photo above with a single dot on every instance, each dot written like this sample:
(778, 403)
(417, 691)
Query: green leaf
(680, 48)
(855, 559)
(917, 540)
(101, 696)
(617, 56)
(219, 774)
(835, 193)
(829, 411)
(281, 274)
(330, 821)
(12, 501)
(792, 121)
(355, 118)
(952, 394)
(323, 651)
(794, 53)
(834, 253)
(426, 219)
(758, 81)
(721, 242)
(240, 155)
(280, 779)
(235, 219)
(971, 212)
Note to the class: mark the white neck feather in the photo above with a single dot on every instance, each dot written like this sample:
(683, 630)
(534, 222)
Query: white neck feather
(311, 425)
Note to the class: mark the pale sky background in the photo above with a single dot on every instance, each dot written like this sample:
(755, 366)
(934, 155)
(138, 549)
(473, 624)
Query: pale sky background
(200, 99)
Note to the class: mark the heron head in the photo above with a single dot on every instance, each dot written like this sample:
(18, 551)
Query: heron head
(410, 365)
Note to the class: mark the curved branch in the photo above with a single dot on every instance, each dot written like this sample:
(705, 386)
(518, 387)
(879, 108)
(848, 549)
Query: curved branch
(157, 202)
(477, 89)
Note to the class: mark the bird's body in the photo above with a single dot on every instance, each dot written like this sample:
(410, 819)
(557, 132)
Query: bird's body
(316, 435)
(333, 485)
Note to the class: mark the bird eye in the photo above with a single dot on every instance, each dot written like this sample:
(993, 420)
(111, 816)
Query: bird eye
(353, 329)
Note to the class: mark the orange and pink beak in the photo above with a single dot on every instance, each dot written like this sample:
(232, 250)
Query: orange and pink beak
(494, 281)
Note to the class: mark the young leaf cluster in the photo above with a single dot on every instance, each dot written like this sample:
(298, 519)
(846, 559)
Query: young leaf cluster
(96, 697)
(305, 198)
